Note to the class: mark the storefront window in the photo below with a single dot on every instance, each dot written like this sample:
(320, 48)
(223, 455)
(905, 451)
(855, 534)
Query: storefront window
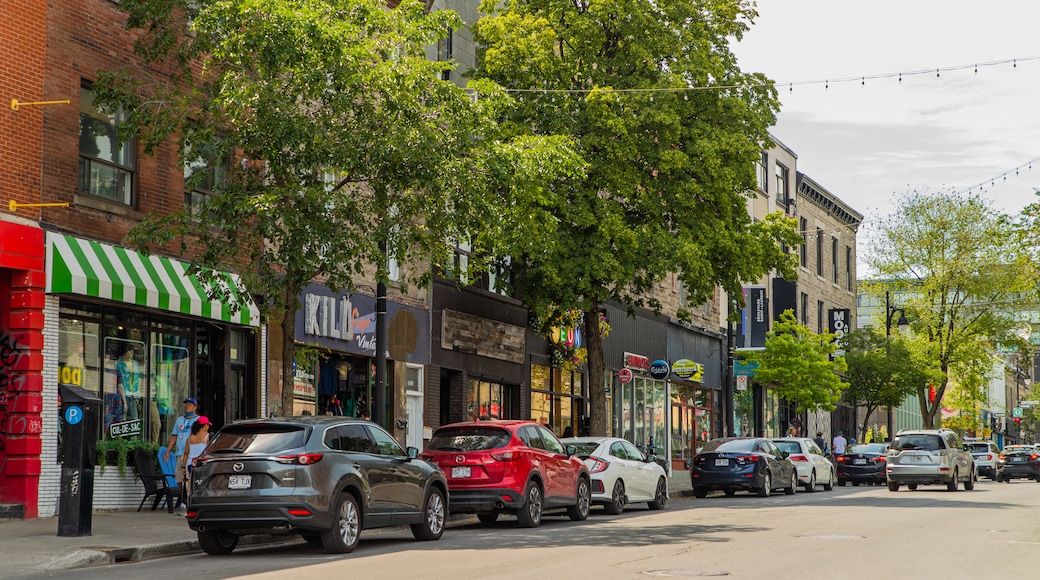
(304, 390)
(643, 406)
(557, 399)
(124, 384)
(743, 403)
(170, 372)
(486, 400)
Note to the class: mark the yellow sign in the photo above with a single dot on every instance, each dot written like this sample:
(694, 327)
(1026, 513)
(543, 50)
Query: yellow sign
(688, 370)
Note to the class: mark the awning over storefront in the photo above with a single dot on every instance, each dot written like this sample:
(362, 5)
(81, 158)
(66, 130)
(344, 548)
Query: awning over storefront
(99, 270)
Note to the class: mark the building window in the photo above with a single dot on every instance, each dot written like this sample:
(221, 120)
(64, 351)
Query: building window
(761, 173)
(819, 316)
(834, 260)
(805, 309)
(486, 400)
(500, 276)
(445, 52)
(819, 252)
(781, 185)
(106, 164)
(458, 268)
(556, 396)
(848, 268)
(204, 175)
(803, 226)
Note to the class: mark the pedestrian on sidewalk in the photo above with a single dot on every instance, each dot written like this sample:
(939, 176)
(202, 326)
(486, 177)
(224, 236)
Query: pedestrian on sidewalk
(197, 442)
(179, 436)
(818, 440)
(839, 443)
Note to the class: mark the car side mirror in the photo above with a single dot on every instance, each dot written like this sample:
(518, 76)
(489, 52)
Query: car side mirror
(651, 459)
(412, 452)
(571, 450)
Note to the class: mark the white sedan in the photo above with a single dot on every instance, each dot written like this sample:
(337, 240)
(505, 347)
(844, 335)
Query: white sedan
(621, 474)
(813, 467)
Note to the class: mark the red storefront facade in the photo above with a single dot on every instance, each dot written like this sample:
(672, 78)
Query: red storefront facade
(22, 298)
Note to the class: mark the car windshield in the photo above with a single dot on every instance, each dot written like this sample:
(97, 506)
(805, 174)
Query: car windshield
(789, 446)
(921, 442)
(867, 448)
(979, 447)
(730, 445)
(258, 439)
(469, 439)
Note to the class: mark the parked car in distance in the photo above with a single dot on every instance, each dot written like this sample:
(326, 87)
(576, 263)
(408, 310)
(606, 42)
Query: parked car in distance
(1018, 462)
(813, 466)
(621, 473)
(325, 478)
(513, 467)
(751, 464)
(929, 456)
(985, 453)
(862, 463)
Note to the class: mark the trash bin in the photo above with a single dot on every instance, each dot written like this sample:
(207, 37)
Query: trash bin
(81, 417)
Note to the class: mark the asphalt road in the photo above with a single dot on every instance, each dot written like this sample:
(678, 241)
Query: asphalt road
(851, 532)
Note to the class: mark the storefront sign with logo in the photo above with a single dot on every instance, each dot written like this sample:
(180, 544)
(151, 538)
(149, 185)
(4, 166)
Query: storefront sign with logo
(125, 429)
(637, 361)
(659, 369)
(625, 376)
(688, 370)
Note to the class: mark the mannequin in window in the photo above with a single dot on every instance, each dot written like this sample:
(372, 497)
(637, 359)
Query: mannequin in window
(127, 376)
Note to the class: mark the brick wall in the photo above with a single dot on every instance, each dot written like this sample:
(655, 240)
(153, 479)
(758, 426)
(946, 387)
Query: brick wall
(23, 43)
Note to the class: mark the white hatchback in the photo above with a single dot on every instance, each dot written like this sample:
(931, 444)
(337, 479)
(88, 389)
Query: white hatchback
(621, 473)
(813, 467)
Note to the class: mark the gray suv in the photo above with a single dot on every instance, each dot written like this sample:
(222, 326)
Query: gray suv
(929, 456)
(324, 478)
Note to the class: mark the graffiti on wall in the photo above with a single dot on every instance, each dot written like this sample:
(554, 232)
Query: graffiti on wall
(10, 354)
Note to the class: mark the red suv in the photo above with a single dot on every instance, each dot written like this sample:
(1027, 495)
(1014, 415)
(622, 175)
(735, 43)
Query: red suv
(516, 467)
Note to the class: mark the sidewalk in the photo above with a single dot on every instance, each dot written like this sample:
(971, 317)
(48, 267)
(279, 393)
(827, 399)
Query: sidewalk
(33, 546)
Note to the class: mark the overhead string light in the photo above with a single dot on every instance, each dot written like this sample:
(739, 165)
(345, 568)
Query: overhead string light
(981, 186)
(791, 84)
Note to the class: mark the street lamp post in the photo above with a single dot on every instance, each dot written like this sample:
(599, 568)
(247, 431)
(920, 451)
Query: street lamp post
(901, 323)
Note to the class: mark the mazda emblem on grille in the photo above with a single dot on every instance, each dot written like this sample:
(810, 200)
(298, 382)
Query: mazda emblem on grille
(460, 458)
(238, 467)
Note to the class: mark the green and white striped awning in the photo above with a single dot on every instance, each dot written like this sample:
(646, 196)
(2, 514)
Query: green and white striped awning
(89, 268)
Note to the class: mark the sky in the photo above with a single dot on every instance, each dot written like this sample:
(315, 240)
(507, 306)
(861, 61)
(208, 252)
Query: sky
(868, 141)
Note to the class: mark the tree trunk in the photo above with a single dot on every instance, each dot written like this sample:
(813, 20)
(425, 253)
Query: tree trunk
(597, 392)
(866, 419)
(288, 353)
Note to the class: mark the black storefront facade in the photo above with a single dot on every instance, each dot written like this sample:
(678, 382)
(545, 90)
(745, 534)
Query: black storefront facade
(479, 356)
(343, 325)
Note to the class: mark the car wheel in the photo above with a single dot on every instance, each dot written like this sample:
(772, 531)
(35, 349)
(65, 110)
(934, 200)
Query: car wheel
(217, 542)
(432, 526)
(970, 484)
(952, 484)
(580, 510)
(730, 492)
(617, 499)
(789, 490)
(893, 486)
(700, 492)
(346, 528)
(488, 517)
(829, 485)
(661, 495)
(911, 486)
(530, 515)
(812, 482)
(767, 486)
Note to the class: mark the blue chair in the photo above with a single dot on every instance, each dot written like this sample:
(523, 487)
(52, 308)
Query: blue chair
(156, 484)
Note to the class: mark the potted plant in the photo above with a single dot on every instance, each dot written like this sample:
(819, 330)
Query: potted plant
(115, 451)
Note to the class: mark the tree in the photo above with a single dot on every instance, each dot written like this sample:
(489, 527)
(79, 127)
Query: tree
(961, 270)
(797, 365)
(669, 128)
(881, 371)
(340, 145)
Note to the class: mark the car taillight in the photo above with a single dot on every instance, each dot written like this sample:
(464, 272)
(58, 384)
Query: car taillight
(746, 458)
(600, 465)
(300, 512)
(300, 458)
(1002, 457)
(841, 459)
(1033, 457)
(506, 456)
(798, 458)
(881, 459)
(191, 513)
(989, 457)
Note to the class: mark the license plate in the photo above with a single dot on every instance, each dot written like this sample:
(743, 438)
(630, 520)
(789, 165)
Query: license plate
(722, 462)
(1018, 460)
(460, 472)
(859, 461)
(239, 481)
(914, 459)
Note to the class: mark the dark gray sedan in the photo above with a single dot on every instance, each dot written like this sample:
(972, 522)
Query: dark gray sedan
(731, 464)
(325, 478)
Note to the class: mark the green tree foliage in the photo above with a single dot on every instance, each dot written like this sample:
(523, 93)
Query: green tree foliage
(961, 272)
(339, 144)
(669, 155)
(797, 365)
(881, 371)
